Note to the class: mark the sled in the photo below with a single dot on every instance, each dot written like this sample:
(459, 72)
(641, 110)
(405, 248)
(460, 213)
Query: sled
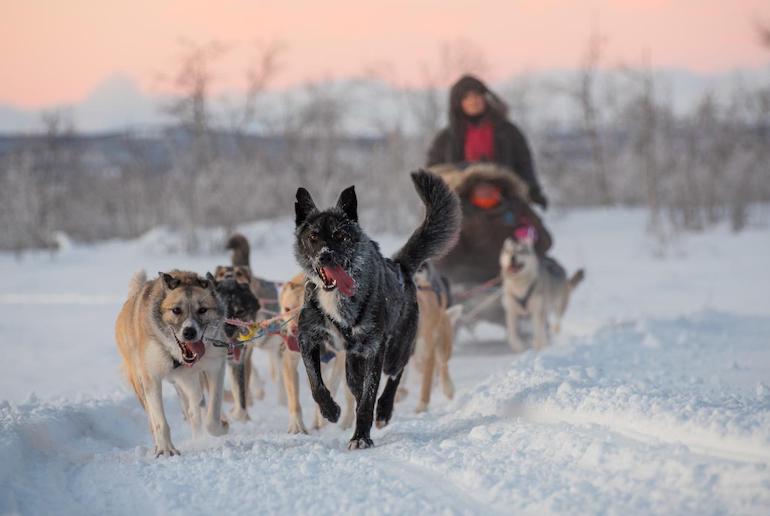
(494, 202)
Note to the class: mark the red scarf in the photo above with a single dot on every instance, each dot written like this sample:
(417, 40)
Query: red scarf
(479, 142)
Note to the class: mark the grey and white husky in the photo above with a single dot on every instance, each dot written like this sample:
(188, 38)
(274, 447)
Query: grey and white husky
(368, 302)
(533, 286)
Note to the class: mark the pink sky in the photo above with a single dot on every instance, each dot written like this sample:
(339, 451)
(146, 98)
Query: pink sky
(55, 51)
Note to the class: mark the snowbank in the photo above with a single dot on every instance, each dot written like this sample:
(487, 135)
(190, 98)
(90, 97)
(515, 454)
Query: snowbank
(655, 399)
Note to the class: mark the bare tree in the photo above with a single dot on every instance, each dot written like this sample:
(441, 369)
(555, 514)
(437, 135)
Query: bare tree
(427, 103)
(585, 96)
(763, 31)
(265, 65)
(190, 109)
(646, 143)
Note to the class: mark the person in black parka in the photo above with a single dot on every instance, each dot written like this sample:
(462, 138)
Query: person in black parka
(479, 130)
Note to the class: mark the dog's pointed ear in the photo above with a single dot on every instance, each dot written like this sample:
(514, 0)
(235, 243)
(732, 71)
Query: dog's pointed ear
(209, 282)
(348, 203)
(169, 281)
(304, 206)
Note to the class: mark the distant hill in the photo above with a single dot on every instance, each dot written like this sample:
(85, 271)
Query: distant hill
(369, 107)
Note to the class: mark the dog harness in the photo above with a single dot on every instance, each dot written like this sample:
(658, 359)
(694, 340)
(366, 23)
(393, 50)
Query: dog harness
(524, 300)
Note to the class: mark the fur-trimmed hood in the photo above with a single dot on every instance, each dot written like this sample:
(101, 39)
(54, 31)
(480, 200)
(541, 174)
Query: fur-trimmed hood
(463, 179)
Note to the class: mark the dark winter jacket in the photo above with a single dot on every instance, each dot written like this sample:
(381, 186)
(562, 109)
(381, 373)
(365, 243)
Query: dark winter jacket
(511, 150)
(510, 146)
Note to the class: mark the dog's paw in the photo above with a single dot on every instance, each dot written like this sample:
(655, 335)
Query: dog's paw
(517, 346)
(421, 407)
(401, 394)
(360, 443)
(449, 389)
(296, 426)
(166, 451)
(330, 410)
(239, 415)
(318, 421)
(218, 428)
(384, 413)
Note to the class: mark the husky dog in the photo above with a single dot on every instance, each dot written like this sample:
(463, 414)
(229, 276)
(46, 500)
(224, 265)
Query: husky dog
(160, 335)
(291, 298)
(267, 294)
(265, 290)
(232, 285)
(435, 334)
(533, 286)
(367, 300)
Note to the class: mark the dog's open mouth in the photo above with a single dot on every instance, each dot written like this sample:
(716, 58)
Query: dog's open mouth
(234, 351)
(192, 351)
(515, 266)
(337, 277)
(291, 342)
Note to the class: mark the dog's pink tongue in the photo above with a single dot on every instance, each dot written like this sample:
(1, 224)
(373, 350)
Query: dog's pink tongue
(197, 347)
(291, 343)
(344, 282)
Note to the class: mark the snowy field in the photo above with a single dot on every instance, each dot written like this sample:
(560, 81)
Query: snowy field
(654, 399)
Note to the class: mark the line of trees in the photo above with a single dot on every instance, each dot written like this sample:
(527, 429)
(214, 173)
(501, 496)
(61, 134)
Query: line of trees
(625, 145)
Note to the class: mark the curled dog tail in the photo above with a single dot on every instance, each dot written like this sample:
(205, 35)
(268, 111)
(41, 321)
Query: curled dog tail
(440, 229)
(576, 278)
(240, 248)
(137, 282)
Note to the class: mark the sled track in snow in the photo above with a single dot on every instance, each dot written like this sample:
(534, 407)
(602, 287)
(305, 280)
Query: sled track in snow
(699, 441)
(436, 486)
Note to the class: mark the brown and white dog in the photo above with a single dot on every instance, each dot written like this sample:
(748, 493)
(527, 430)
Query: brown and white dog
(160, 336)
(435, 334)
(291, 299)
(535, 286)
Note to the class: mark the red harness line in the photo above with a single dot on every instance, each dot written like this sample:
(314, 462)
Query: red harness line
(471, 292)
(265, 324)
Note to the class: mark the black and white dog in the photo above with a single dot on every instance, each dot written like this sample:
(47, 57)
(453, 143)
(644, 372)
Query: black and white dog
(368, 300)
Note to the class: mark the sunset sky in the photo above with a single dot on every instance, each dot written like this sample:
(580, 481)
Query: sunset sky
(57, 51)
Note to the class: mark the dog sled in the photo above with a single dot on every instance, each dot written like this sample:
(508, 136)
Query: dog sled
(495, 202)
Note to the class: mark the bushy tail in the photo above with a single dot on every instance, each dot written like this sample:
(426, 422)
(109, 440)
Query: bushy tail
(240, 248)
(137, 282)
(439, 230)
(576, 279)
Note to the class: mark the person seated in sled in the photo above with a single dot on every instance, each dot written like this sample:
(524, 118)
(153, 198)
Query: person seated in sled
(479, 130)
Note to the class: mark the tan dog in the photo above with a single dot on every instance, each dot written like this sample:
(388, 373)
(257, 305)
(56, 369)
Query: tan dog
(291, 298)
(160, 335)
(435, 335)
(533, 286)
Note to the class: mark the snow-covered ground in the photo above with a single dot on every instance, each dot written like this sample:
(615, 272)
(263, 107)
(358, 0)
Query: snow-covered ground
(655, 398)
